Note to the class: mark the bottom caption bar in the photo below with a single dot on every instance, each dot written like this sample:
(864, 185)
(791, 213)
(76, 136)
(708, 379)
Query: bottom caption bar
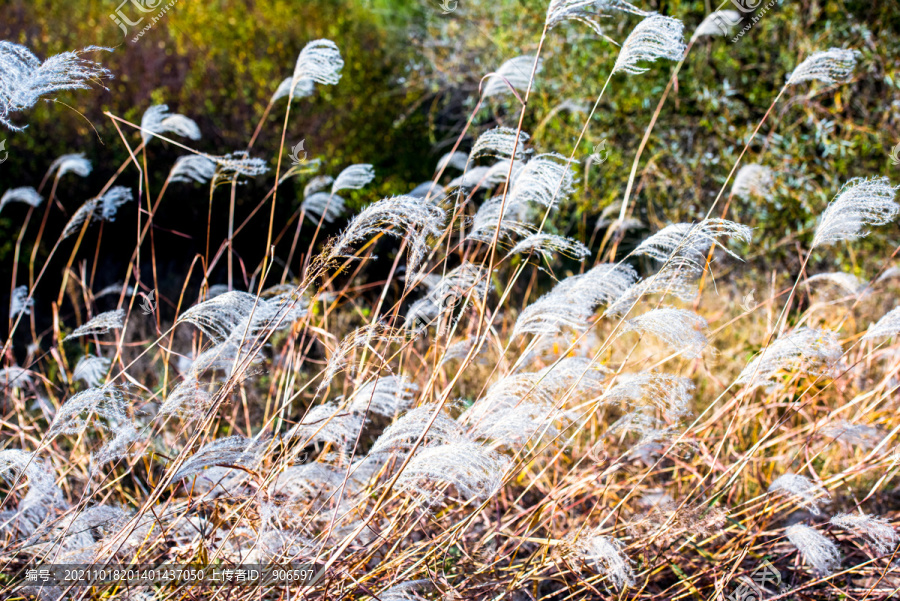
(66, 575)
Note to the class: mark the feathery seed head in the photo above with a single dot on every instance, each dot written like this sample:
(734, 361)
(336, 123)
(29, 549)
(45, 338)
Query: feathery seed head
(24, 79)
(319, 61)
(888, 325)
(305, 87)
(545, 179)
(547, 244)
(25, 194)
(323, 205)
(457, 160)
(807, 350)
(752, 180)
(20, 303)
(70, 163)
(516, 71)
(353, 177)
(158, 120)
(588, 12)
(853, 434)
(400, 216)
(193, 167)
(876, 529)
(608, 557)
(818, 551)
(655, 37)
(681, 330)
(860, 203)
(500, 142)
(717, 23)
(317, 184)
(802, 488)
(832, 66)
(101, 324)
(91, 370)
(473, 469)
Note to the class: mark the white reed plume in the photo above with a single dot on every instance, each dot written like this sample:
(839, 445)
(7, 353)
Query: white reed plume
(545, 179)
(514, 425)
(353, 177)
(487, 220)
(801, 488)
(832, 66)
(607, 556)
(860, 203)
(846, 282)
(877, 529)
(366, 337)
(681, 330)
(401, 217)
(752, 180)
(317, 184)
(230, 451)
(655, 37)
(515, 72)
(70, 163)
(190, 399)
(460, 349)
(15, 377)
(101, 208)
(473, 469)
(328, 423)
(717, 23)
(101, 324)
(308, 481)
(807, 350)
(676, 278)
(25, 194)
(15, 463)
(218, 316)
(485, 177)
(323, 205)
(24, 79)
(386, 396)
(158, 120)
(238, 163)
(816, 550)
(20, 303)
(193, 167)
(850, 434)
(889, 273)
(109, 402)
(888, 325)
(669, 393)
(305, 87)
(571, 374)
(573, 301)
(91, 370)
(427, 189)
(650, 429)
(122, 445)
(405, 591)
(500, 142)
(548, 244)
(319, 61)
(692, 241)
(403, 433)
(455, 159)
(588, 12)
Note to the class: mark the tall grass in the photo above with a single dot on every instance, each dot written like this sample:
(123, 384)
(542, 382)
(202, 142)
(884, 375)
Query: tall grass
(507, 413)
